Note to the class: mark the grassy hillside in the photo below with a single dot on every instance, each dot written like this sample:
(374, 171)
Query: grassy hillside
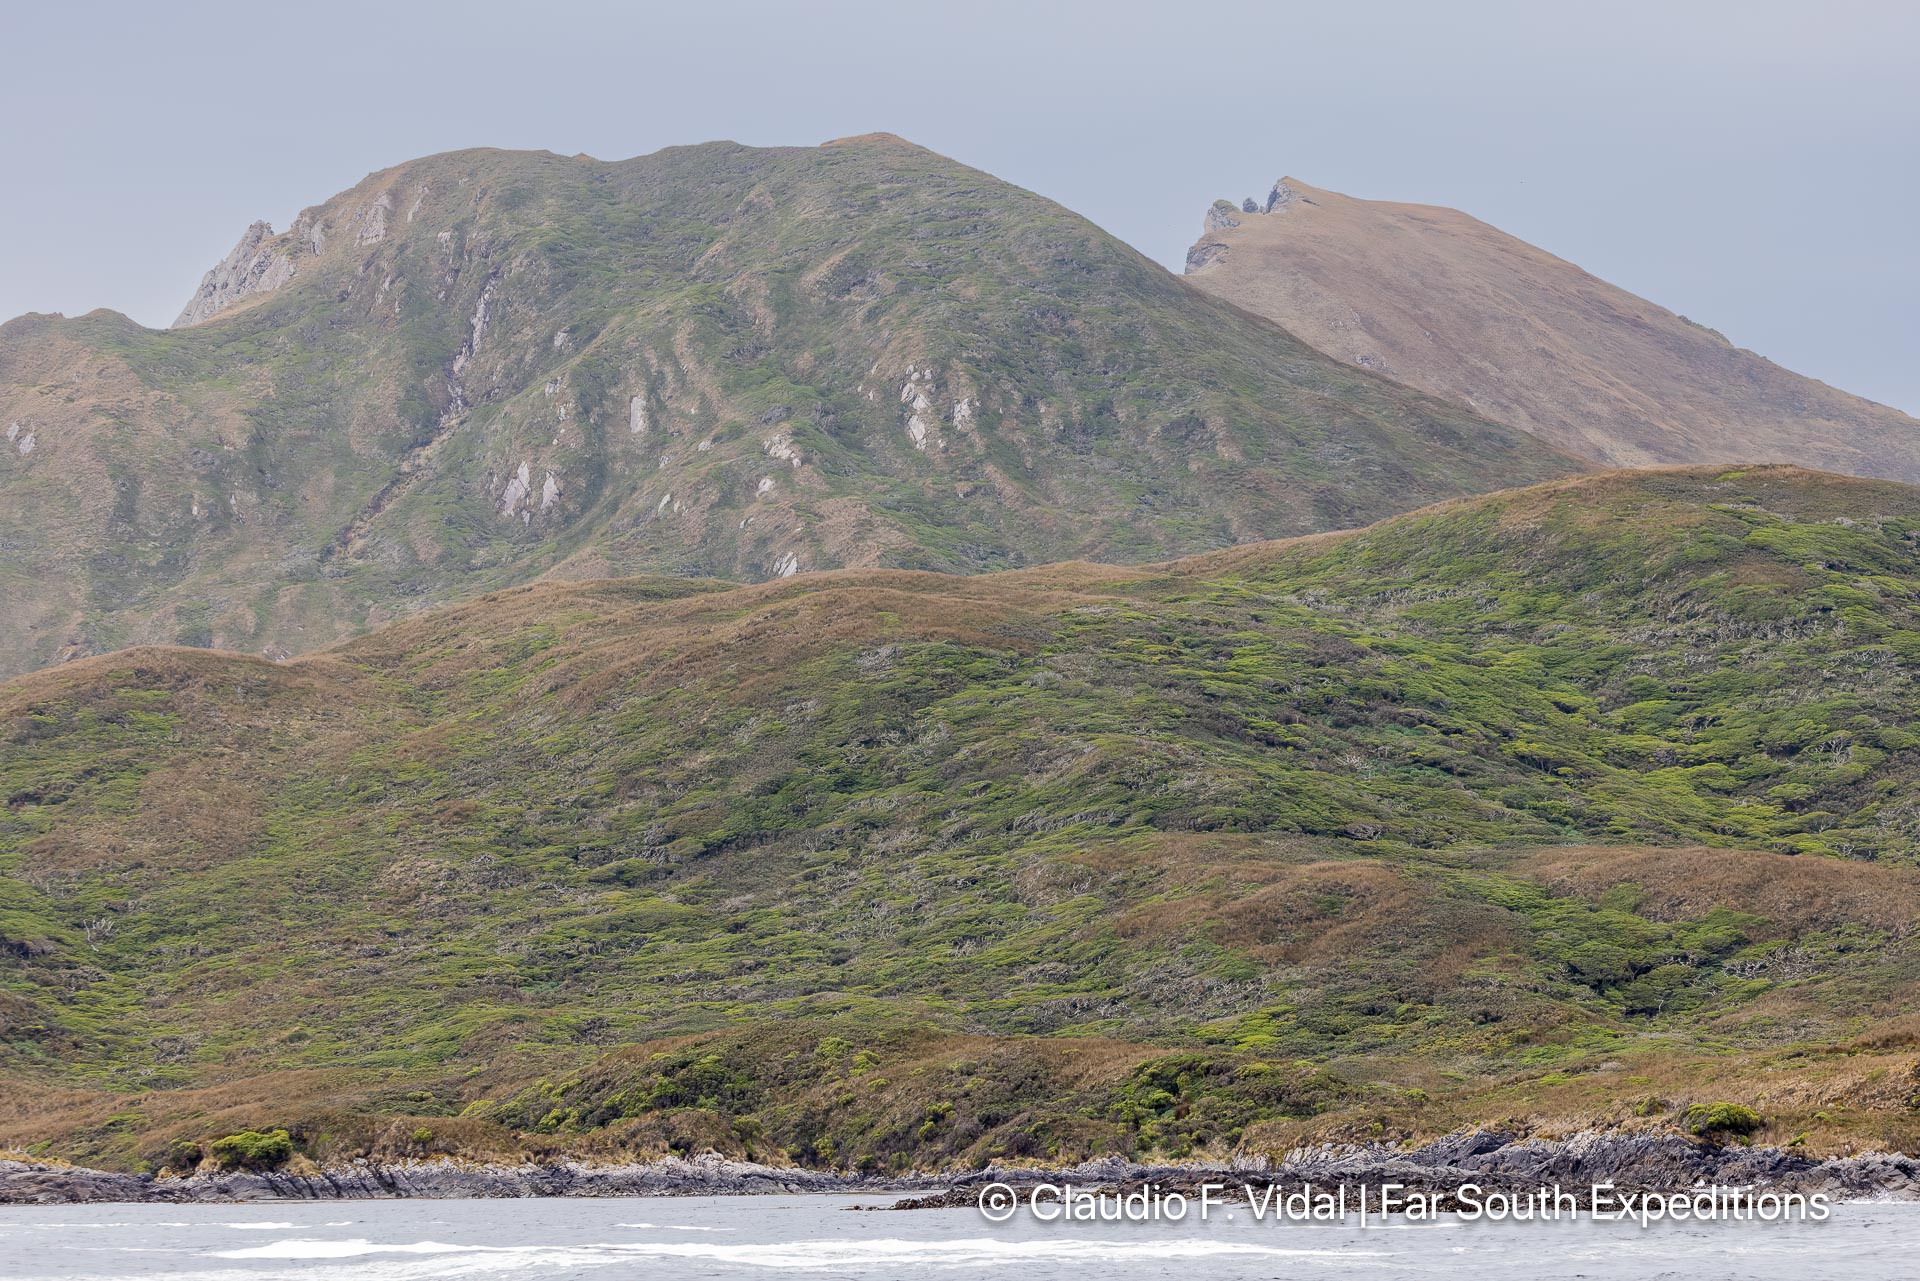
(1568, 801)
(1441, 301)
(479, 368)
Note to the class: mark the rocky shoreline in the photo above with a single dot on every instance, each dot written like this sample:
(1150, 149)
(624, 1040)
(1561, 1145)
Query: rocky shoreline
(1496, 1163)
(1493, 1160)
(709, 1175)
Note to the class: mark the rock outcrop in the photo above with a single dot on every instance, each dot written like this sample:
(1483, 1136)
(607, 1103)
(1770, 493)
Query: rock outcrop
(1495, 1161)
(1282, 197)
(257, 265)
(1221, 215)
(23, 1183)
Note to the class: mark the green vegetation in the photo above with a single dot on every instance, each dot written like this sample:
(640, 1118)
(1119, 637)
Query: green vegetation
(252, 1150)
(451, 407)
(1527, 805)
(1722, 1120)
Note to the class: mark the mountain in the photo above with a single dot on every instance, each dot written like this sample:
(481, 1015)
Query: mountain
(1443, 302)
(488, 367)
(1588, 796)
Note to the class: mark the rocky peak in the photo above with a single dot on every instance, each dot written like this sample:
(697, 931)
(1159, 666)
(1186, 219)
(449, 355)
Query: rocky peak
(1223, 214)
(1220, 216)
(257, 265)
(1282, 197)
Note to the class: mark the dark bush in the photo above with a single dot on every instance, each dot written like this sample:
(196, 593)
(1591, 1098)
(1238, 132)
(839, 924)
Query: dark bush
(253, 1150)
(1719, 1120)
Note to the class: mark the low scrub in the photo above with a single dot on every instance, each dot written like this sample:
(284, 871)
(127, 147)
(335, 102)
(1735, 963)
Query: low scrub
(1722, 1120)
(253, 1150)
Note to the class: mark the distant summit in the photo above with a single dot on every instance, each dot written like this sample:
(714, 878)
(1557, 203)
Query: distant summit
(1443, 302)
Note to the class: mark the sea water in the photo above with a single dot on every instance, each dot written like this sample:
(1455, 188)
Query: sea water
(767, 1236)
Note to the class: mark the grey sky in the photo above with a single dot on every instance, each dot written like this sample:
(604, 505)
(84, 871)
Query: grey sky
(1755, 165)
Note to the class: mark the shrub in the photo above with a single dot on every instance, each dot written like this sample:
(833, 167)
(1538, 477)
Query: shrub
(1711, 1120)
(180, 1154)
(253, 1150)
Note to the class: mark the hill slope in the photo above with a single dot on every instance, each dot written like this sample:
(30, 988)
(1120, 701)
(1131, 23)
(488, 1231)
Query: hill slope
(1443, 302)
(1507, 789)
(480, 368)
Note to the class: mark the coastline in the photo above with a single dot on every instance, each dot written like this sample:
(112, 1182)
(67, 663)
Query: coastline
(1652, 1162)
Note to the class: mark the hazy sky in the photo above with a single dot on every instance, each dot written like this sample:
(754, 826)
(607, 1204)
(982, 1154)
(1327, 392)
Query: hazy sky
(1755, 165)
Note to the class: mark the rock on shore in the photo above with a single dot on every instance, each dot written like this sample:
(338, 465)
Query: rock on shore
(1496, 1161)
(709, 1175)
(1499, 1163)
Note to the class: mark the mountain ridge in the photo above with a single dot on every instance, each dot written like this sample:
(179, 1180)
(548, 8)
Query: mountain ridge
(1444, 302)
(484, 367)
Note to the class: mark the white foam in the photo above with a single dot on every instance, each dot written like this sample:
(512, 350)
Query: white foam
(173, 1223)
(888, 1252)
(353, 1249)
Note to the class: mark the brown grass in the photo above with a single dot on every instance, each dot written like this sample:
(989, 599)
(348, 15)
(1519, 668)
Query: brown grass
(1444, 303)
(1282, 900)
(1801, 893)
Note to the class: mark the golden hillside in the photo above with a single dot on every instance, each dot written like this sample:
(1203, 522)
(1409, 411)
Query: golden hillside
(1449, 305)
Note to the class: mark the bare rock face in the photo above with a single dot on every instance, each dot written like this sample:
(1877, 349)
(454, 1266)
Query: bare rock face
(1494, 1160)
(32, 1183)
(256, 266)
(1221, 215)
(1282, 196)
(1204, 254)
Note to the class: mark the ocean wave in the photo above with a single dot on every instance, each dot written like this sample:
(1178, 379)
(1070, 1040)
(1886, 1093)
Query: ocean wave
(357, 1246)
(242, 1224)
(887, 1252)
